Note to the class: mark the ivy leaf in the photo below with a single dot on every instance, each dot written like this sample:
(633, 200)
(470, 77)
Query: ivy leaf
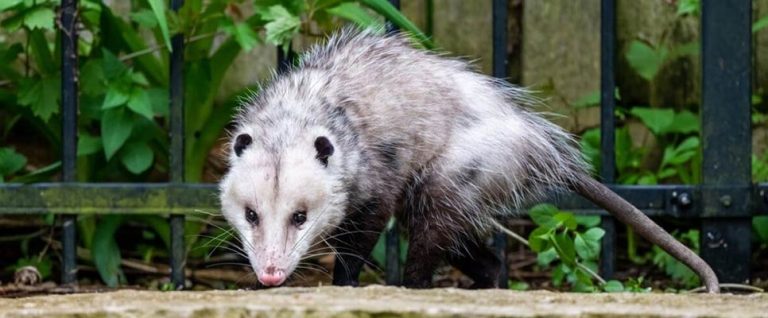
(158, 7)
(684, 122)
(760, 227)
(137, 157)
(112, 66)
(566, 219)
(140, 103)
(10, 162)
(644, 59)
(116, 127)
(282, 26)
(106, 252)
(355, 13)
(87, 144)
(92, 81)
(688, 7)
(40, 18)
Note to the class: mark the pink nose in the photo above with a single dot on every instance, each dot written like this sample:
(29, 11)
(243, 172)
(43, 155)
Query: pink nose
(272, 276)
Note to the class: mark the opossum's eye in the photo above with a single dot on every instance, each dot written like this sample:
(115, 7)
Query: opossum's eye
(299, 217)
(241, 142)
(251, 216)
(324, 149)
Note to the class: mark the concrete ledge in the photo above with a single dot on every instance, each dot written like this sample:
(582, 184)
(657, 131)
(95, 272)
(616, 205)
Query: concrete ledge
(379, 301)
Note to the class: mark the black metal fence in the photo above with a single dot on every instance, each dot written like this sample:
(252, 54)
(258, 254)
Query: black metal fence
(724, 202)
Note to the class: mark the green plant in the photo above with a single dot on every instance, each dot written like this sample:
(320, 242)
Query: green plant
(575, 242)
(123, 120)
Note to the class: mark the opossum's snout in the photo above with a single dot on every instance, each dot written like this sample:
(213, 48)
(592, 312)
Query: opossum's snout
(272, 276)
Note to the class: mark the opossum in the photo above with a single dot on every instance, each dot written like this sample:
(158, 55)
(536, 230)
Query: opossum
(367, 127)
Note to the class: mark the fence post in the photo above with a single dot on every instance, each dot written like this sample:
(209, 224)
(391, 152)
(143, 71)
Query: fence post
(607, 126)
(178, 248)
(499, 12)
(726, 137)
(68, 35)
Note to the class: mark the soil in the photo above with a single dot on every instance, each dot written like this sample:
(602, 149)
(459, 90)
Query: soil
(381, 301)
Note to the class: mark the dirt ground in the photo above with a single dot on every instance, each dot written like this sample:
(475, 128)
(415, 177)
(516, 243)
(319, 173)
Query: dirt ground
(381, 301)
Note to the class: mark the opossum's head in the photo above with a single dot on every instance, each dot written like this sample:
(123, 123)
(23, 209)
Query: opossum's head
(282, 200)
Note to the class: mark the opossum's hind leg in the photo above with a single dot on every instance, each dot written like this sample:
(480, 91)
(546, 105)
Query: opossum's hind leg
(435, 225)
(355, 239)
(479, 263)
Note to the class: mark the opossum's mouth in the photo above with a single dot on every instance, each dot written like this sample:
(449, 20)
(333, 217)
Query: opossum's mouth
(272, 276)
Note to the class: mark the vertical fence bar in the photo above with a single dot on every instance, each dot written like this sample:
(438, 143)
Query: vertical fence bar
(392, 234)
(178, 257)
(499, 12)
(68, 34)
(607, 126)
(726, 135)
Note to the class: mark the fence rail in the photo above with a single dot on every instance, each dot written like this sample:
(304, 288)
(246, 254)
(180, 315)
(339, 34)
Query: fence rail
(725, 202)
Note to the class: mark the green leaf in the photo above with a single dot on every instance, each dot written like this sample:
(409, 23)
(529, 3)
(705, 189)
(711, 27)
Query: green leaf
(355, 13)
(106, 252)
(145, 18)
(589, 100)
(760, 24)
(137, 157)
(684, 122)
(385, 8)
(539, 240)
(688, 7)
(518, 285)
(282, 26)
(117, 95)
(613, 286)
(116, 126)
(92, 80)
(546, 257)
(543, 215)
(40, 18)
(760, 227)
(42, 96)
(565, 248)
(10, 162)
(158, 7)
(87, 144)
(658, 120)
(566, 219)
(245, 36)
(140, 103)
(588, 244)
(5, 4)
(588, 220)
(112, 66)
(644, 59)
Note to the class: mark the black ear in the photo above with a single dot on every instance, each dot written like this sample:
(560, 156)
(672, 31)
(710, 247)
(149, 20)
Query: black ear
(324, 149)
(241, 142)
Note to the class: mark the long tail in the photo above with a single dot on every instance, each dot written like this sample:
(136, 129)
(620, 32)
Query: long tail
(630, 215)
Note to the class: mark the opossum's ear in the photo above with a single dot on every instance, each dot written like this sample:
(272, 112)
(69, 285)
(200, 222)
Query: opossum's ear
(324, 149)
(241, 142)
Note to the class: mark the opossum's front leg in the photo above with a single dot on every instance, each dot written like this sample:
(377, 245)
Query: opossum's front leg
(355, 239)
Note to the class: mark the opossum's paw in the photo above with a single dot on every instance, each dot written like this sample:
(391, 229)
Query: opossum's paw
(480, 264)
(346, 282)
(418, 283)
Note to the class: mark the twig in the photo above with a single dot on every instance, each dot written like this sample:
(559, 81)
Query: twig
(158, 47)
(21, 237)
